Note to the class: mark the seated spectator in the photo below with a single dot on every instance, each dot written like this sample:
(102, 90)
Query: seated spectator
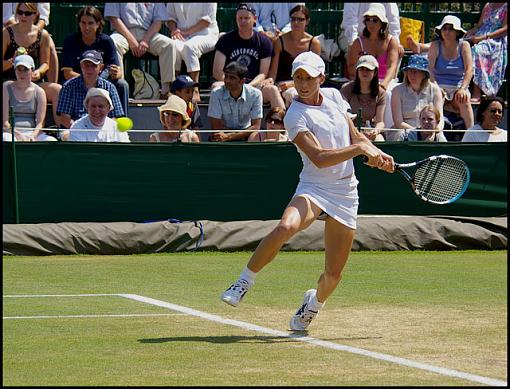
(136, 27)
(99, 127)
(273, 18)
(376, 41)
(353, 23)
(409, 97)
(488, 38)
(488, 116)
(451, 66)
(44, 20)
(74, 91)
(90, 37)
(184, 86)
(176, 121)
(287, 47)
(275, 130)
(37, 43)
(252, 49)
(234, 106)
(429, 121)
(28, 103)
(366, 94)
(194, 32)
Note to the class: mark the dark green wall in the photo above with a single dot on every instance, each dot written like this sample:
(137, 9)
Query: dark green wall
(139, 182)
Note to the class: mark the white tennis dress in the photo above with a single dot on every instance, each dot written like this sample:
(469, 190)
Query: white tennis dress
(334, 189)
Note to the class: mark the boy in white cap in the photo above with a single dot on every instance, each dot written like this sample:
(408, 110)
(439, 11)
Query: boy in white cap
(100, 127)
(327, 141)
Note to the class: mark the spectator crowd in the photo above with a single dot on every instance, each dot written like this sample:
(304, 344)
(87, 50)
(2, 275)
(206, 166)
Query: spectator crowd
(86, 86)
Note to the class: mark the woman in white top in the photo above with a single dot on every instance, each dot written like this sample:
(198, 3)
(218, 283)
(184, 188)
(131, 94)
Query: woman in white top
(488, 116)
(99, 127)
(194, 32)
(327, 141)
(175, 119)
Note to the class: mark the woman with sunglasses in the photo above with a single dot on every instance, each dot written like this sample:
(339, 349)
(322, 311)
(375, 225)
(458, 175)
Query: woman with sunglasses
(327, 142)
(451, 66)
(274, 124)
(287, 47)
(36, 41)
(375, 40)
(28, 103)
(488, 116)
(175, 120)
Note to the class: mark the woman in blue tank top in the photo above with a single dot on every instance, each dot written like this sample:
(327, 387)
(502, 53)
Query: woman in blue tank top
(451, 66)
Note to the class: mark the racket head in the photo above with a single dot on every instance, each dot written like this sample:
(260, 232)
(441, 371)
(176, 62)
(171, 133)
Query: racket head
(440, 179)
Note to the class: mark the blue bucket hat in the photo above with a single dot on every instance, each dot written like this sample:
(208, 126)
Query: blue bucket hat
(418, 62)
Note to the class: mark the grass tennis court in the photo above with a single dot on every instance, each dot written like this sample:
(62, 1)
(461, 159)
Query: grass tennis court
(79, 324)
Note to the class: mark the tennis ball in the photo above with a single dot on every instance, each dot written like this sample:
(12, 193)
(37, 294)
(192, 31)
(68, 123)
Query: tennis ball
(124, 124)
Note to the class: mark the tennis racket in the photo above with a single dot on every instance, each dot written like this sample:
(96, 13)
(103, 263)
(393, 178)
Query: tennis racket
(439, 179)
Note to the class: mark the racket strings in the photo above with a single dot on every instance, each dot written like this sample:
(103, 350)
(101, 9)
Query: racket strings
(441, 180)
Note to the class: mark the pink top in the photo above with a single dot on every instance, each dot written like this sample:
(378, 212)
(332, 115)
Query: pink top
(381, 60)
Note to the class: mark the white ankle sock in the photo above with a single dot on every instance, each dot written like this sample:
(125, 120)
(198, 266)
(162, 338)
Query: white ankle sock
(314, 304)
(248, 275)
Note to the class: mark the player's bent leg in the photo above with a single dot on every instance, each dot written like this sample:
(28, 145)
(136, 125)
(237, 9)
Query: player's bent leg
(338, 240)
(298, 215)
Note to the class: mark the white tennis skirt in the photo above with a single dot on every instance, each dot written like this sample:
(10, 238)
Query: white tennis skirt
(339, 200)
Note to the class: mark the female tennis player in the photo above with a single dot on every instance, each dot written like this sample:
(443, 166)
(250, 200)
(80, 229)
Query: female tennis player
(327, 140)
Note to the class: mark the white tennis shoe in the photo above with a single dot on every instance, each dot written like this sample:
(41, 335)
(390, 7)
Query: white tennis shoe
(236, 292)
(304, 315)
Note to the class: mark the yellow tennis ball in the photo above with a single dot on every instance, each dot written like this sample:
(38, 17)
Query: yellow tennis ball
(124, 124)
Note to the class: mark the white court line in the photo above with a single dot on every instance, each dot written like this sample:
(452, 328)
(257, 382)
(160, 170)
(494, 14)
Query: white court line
(318, 342)
(306, 339)
(90, 316)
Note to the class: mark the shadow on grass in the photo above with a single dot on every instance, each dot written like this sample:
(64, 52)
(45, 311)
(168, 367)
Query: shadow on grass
(243, 339)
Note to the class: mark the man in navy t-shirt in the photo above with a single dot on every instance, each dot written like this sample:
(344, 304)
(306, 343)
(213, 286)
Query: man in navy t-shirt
(91, 37)
(252, 49)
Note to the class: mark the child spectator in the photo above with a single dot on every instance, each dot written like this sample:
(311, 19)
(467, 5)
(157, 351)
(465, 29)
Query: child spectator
(184, 86)
(429, 121)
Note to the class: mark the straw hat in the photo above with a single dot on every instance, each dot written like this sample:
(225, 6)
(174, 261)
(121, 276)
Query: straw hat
(175, 104)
